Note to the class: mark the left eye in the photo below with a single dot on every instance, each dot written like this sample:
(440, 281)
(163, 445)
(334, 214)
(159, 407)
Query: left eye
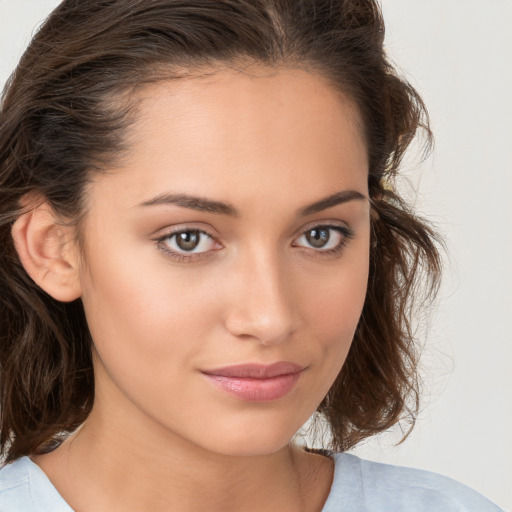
(190, 241)
(324, 237)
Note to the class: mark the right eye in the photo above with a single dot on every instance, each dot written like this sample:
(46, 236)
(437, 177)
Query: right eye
(183, 244)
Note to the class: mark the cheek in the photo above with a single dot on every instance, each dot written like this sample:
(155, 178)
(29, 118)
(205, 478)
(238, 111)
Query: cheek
(139, 312)
(332, 312)
(335, 305)
(148, 328)
(336, 309)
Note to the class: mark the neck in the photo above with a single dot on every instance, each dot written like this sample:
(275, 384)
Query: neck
(102, 467)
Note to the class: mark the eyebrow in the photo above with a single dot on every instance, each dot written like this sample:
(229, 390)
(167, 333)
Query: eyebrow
(207, 205)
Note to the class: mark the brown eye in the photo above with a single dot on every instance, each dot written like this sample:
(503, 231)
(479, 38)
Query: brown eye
(318, 237)
(187, 240)
(325, 239)
(193, 241)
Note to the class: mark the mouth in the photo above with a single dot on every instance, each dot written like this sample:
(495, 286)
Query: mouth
(256, 382)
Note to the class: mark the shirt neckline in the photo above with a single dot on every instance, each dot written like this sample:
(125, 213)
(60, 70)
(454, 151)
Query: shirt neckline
(46, 496)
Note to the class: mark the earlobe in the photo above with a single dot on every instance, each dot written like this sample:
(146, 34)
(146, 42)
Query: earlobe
(48, 253)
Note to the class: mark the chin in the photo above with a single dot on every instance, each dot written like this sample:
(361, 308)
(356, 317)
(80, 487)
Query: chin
(249, 440)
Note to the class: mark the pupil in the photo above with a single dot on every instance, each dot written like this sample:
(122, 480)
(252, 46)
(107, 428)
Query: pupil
(188, 240)
(318, 237)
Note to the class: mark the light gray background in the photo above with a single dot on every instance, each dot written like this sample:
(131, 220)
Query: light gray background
(458, 55)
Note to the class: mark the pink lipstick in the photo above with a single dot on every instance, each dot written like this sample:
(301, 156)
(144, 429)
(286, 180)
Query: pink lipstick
(256, 382)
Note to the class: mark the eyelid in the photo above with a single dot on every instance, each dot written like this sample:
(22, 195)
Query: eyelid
(168, 230)
(325, 223)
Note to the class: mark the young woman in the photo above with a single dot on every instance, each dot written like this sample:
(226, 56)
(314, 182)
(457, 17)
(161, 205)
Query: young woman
(201, 248)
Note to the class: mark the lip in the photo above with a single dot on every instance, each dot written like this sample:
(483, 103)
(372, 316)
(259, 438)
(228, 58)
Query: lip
(256, 382)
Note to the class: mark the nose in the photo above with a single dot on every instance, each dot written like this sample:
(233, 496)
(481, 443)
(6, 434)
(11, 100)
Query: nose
(262, 305)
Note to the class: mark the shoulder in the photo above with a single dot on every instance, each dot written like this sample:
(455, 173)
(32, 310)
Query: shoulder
(25, 488)
(362, 485)
(14, 487)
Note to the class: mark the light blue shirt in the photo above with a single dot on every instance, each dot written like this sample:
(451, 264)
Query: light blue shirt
(359, 486)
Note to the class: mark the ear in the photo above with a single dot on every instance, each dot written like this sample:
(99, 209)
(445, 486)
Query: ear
(48, 252)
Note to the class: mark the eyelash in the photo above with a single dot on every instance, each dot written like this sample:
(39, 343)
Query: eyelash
(346, 233)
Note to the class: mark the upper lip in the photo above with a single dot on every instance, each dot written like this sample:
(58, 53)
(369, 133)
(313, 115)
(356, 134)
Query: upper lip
(256, 370)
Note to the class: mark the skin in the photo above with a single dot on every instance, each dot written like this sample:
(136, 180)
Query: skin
(160, 436)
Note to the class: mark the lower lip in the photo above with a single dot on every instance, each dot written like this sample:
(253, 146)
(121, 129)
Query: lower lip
(256, 390)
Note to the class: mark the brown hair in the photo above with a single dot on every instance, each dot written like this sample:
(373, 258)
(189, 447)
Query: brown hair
(60, 122)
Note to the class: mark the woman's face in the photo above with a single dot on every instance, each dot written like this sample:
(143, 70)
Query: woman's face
(236, 232)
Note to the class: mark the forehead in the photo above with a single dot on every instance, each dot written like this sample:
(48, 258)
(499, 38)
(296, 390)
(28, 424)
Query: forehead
(256, 98)
(228, 131)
